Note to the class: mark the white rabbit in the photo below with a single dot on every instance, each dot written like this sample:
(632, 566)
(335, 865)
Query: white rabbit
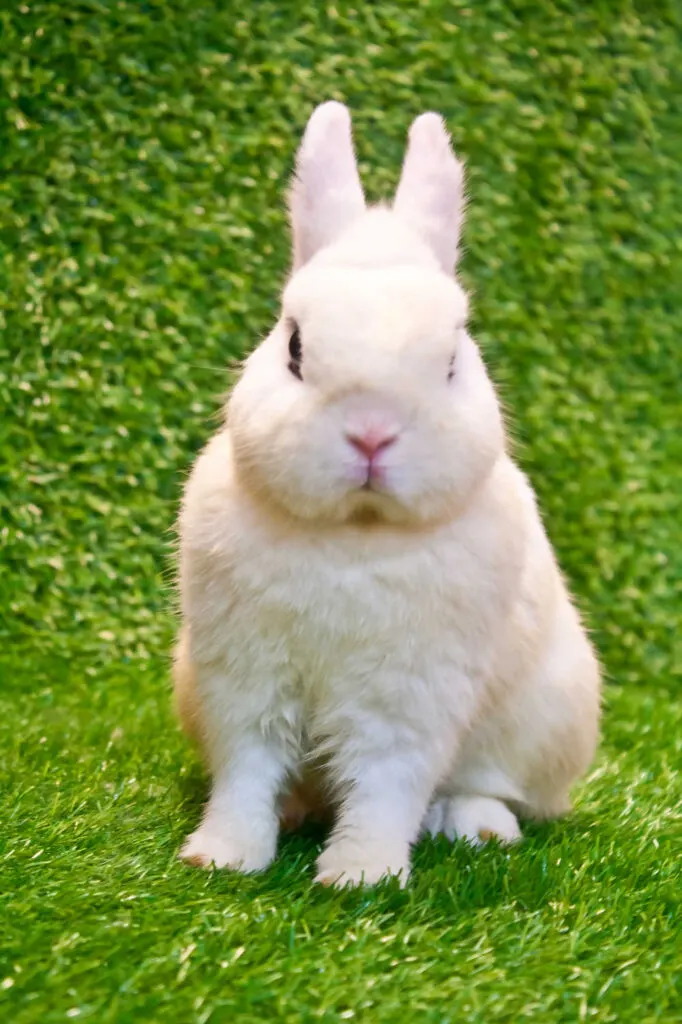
(369, 598)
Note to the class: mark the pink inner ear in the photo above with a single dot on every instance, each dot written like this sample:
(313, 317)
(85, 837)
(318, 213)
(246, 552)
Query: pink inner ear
(326, 194)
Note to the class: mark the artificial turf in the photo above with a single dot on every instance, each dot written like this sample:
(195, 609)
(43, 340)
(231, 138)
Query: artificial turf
(145, 149)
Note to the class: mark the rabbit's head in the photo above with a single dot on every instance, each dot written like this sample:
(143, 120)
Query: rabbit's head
(369, 402)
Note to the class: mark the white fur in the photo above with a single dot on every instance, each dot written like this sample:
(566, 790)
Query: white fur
(412, 647)
(476, 819)
(326, 194)
(431, 191)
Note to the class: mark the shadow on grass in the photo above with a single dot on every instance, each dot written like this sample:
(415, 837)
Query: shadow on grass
(193, 787)
(447, 876)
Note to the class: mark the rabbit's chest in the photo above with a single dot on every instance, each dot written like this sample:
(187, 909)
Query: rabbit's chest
(335, 614)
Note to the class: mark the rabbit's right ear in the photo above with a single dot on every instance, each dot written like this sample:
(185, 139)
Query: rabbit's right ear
(326, 194)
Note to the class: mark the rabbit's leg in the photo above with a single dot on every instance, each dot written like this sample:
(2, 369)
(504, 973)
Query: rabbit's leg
(477, 819)
(527, 753)
(386, 797)
(240, 825)
(250, 743)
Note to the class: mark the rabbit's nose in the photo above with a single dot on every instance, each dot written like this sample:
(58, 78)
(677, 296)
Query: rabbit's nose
(370, 442)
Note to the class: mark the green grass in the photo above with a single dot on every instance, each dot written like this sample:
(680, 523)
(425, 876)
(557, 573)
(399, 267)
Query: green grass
(144, 154)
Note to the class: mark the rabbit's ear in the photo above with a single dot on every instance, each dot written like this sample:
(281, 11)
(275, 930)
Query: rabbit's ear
(431, 191)
(326, 194)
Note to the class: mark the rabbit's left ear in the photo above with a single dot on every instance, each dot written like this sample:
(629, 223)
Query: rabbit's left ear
(431, 191)
(326, 194)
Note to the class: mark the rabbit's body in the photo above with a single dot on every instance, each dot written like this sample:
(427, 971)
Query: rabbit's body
(406, 630)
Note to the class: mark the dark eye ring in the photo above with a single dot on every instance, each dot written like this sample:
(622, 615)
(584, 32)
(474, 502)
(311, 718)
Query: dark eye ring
(295, 353)
(451, 369)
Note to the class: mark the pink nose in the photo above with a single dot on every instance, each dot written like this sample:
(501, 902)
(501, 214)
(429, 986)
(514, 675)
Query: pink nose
(370, 442)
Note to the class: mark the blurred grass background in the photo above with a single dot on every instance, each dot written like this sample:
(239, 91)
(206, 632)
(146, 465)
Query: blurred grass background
(145, 151)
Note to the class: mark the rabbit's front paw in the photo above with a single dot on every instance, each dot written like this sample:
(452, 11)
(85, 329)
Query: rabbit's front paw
(477, 819)
(347, 863)
(210, 845)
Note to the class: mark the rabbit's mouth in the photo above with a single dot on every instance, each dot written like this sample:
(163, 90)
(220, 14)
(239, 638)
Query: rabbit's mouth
(375, 479)
(372, 502)
(374, 484)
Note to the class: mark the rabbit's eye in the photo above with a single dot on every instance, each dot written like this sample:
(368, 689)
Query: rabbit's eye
(451, 369)
(295, 353)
